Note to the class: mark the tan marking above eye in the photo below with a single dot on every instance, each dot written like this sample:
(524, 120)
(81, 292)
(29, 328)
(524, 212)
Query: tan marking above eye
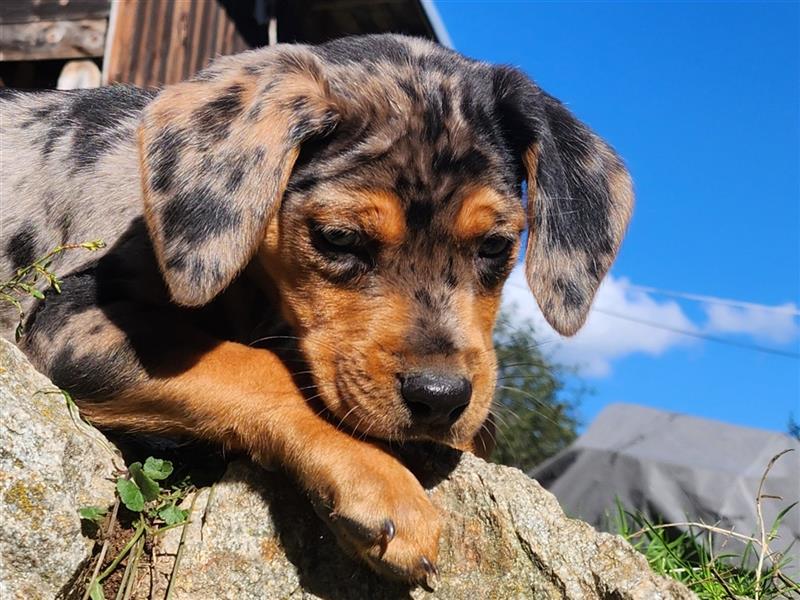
(483, 211)
(379, 213)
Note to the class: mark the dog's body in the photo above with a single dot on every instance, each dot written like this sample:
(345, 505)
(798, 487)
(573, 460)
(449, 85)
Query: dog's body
(360, 198)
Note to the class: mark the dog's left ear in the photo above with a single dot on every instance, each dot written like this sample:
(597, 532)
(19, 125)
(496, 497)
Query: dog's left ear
(580, 199)
(215, 156)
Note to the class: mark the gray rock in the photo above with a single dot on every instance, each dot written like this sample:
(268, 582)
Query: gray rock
(253, 536)
(50, 465)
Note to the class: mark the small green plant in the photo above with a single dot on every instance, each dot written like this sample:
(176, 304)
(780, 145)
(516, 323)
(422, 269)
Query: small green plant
(688, 555)
(26, 280)
(154, 508)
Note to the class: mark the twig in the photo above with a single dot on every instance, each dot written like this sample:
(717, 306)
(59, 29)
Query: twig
(152, 569)
(125, 575)
(131, 583)
(762, 552)
(103, 550)
(788, 582)
(136, 535)
(719, 530)
(718, 577)
(179, 552)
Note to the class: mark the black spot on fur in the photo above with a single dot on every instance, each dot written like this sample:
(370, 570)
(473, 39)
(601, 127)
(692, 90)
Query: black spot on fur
(574, 192)
(424, 298)
(304, 183)
(41, 113)
(21, 248)
(419, 214)
(582, 218)
(207, 270)
(471, 164)
(235, 178)
(78, 294)
(97, 119)
(9, 94)
(365, 49)
(208, 74)
(164, 155)
(196, 214)
(409, 89)
(305, 125)
(213, 120)
(433, 118)
(301, 128)
(96, 375)
(594, 269)
(295, 62)
(450, 277)
(572, 294)
(254, 70)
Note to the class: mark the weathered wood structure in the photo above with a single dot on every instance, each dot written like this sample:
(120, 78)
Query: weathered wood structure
(156, 42)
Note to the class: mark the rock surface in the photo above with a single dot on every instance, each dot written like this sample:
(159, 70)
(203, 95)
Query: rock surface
(50, 465)
(253, 535)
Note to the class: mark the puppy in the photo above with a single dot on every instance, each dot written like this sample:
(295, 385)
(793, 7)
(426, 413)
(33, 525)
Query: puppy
(305, 253)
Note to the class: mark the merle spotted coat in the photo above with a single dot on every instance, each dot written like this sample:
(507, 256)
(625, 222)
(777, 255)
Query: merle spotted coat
(360, 199)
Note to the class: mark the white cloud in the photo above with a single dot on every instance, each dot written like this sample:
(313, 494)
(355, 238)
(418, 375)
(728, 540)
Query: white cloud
(605, 337)
(775, 326)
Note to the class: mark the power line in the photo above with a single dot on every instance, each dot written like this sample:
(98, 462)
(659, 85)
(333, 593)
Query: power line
(789, 310)
(688, 333)
(702, 336)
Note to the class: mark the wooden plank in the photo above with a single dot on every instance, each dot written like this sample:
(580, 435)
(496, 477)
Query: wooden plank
(176, 53)
(52, 39)
(117, 61)
(200, 11)
(159, 42)
(210, 40)
(29, 11)
(202, 34)
(222, 20)
(146, 45)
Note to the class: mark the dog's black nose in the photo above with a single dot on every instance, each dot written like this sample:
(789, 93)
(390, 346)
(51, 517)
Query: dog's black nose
(435, 398)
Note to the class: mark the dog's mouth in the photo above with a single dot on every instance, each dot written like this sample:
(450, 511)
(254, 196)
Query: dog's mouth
(362, 394)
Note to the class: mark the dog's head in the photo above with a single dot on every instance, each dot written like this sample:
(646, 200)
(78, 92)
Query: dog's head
(377, 181)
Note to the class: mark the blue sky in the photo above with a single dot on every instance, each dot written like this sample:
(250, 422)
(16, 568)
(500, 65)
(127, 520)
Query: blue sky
(702, 99)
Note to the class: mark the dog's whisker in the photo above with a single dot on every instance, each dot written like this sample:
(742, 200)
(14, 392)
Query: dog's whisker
(344, 418)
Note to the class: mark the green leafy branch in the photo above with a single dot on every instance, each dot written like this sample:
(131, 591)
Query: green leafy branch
(26, 280)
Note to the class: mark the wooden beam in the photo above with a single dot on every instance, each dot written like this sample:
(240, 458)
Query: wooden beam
(30, 11)
(52, 39)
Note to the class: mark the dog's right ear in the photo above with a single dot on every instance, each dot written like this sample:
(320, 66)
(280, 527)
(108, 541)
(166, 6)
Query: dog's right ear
(579, 199)
(215, 156)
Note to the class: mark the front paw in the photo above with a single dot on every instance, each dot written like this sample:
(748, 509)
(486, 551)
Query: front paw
(380, 513)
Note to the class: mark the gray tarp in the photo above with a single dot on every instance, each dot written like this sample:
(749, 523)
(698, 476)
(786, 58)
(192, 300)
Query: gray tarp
(675, 468)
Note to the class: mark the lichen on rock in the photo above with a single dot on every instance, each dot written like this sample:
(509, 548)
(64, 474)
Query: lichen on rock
(49, 467)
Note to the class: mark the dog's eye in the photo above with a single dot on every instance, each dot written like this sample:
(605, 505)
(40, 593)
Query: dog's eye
(341, 239)
(494, 246)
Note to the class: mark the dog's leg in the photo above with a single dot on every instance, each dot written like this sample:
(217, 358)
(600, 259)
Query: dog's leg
(143, 370)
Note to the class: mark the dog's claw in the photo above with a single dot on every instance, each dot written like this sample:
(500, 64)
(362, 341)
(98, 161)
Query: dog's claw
(429, 567)
(431, 572)
(387, 535)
